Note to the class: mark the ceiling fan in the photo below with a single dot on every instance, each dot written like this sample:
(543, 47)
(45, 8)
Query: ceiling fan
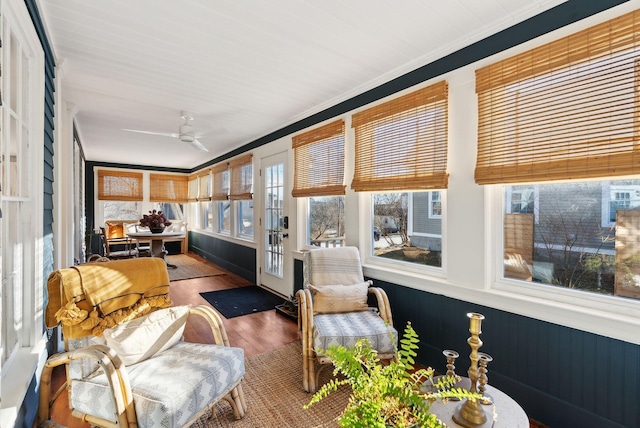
(186, 132)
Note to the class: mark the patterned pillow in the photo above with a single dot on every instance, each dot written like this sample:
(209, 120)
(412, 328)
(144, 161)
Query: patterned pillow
(331, 299)
(143, 337)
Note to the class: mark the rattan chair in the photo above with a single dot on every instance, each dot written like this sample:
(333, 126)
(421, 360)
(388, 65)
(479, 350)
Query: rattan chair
(126, 362)
(333, 310)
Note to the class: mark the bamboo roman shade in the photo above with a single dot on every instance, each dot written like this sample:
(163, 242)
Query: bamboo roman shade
(241, 178)
(193, 188)
(119, 185)
(319, 161)
(402, 144)
(565, 110)
(168, 188)
(220, 189)
(204, 185)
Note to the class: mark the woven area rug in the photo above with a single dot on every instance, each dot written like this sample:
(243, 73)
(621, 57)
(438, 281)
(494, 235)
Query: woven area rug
(188, 267)
(273, 389)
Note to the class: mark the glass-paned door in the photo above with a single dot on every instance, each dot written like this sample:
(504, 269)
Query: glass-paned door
(275, 267)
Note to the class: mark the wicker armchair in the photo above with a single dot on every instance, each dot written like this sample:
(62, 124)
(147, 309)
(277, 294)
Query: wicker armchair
(333, 309)
(126, 362)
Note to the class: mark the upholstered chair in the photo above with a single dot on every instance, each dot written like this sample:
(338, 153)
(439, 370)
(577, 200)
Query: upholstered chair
(127, 364)
(333, 310)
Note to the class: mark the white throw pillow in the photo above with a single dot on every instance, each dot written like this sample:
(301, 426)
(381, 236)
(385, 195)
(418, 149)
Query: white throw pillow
(330, 299)
(142, 338)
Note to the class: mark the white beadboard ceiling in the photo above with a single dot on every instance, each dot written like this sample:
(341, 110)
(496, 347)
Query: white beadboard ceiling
(245, 68)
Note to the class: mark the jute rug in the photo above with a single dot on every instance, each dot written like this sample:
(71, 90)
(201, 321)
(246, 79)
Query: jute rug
(273, 389)
(188, 267)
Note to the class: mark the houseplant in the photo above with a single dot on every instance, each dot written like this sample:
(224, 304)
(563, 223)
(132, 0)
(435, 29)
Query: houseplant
(155, 221)
(387, 395)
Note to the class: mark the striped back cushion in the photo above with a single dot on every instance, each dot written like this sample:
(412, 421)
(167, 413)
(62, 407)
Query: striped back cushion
(331, 266)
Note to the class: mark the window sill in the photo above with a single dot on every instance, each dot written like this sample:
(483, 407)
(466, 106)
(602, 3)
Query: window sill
(16, 378)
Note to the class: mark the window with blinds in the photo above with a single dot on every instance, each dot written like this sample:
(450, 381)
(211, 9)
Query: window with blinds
(220, 190)
(168, 188)
(319, 161)
(119, 185)
(204, 185)
(564, 110)
(193, 188)
(402, 144)
(241, 187)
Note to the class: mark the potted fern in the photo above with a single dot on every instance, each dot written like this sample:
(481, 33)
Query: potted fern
(387, 395)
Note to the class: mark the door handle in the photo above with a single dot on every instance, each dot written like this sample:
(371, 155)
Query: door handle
(285, 235)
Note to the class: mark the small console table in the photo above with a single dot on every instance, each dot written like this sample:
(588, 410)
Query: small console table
(157, 242)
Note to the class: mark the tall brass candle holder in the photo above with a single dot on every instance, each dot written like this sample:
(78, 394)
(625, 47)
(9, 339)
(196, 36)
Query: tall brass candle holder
(470, 413)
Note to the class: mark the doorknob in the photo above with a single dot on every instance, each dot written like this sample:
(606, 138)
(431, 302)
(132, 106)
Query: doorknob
(285, 235)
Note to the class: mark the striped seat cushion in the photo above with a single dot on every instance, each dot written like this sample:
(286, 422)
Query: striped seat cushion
(347, 328)
(170, 388)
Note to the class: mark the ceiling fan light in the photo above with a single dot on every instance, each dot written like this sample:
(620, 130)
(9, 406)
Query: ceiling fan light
(187, 134)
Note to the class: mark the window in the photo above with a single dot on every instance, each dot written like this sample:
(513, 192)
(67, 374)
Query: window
(224, 217)
(404, 230)
(401, 149)
(557, 114)
(244, 218)
(568, 246)
(319, 176)
(220, 196)
(325, 226)
(622, 195)
(435, 205)
(21, 198)
(121, 210)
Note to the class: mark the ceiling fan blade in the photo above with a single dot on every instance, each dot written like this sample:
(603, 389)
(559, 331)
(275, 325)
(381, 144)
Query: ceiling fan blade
(198, 145)
(164, 134)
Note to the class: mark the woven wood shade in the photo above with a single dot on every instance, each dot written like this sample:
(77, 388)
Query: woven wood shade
(220, 189)
(319, 161)
(204, 185)
(402, 144)
(241, 178)
(119, 185)
(565, 110)
(168, 188)
(193, 188)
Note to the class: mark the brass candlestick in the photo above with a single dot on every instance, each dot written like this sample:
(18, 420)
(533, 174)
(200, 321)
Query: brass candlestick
(451, 359)
(470, 413)
(485, 359)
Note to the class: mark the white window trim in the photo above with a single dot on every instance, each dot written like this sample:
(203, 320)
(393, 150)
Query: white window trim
(396, 271)
(606, 315)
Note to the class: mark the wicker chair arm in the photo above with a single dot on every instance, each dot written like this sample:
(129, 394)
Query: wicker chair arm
(305, 309)
(113, 368)
(383, 303)
(215, 322)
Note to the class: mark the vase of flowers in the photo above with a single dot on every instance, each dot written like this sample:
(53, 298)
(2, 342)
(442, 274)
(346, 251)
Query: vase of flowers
(156, 221)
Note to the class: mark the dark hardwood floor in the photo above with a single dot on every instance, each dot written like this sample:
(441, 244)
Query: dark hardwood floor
(256, 333)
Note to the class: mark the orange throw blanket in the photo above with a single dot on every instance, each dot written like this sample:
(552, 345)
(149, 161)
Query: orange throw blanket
(89, 298)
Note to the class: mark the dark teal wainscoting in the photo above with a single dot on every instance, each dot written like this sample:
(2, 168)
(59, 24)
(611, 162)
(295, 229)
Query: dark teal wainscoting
(236, 258)
(561, 376)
